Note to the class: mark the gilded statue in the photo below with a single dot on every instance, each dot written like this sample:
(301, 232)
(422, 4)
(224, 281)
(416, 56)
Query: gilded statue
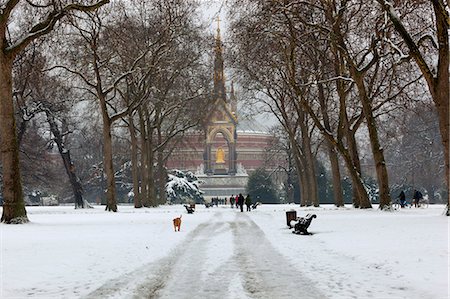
(220, 156)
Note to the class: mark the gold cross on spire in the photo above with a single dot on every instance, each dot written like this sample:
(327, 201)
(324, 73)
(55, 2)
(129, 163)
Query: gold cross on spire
(218, 22)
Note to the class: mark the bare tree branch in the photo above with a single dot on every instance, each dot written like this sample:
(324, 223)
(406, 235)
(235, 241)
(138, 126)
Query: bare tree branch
(48, 24)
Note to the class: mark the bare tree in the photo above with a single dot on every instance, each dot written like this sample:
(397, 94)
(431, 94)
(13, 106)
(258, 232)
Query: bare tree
(435, 70)
(172, 84)
(97, 70)
(36, 93)
(281, 71)
(47, 16)
(359, 67)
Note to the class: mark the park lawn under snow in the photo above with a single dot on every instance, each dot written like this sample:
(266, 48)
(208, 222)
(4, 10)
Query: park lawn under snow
(68, 253)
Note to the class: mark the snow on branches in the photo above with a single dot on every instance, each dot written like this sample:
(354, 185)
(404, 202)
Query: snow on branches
(183, 187)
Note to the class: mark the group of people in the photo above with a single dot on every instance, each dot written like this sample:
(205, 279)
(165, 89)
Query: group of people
(417, 196)
(216, 201)
(239, 201)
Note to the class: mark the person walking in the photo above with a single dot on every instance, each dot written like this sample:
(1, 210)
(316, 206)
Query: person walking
(248, 203)
(241, 202)
(417, 197)
(232, 200)
(402, 198)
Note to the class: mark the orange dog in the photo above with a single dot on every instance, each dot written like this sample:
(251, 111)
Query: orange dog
(177, 223)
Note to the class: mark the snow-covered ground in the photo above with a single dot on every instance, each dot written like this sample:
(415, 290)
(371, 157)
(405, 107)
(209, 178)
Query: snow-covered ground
(223, 253)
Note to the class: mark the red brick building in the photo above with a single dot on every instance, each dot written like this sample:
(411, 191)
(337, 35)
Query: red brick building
(251, 151)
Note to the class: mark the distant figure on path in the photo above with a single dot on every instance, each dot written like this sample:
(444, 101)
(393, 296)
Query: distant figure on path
(236, 201)
(417, 197)
(402, 198)
(248, 203)
(241, 202)
(232, 200)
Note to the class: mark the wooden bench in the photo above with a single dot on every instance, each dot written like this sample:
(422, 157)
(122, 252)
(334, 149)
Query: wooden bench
(255, 205)
(190, 208)
(301, 227)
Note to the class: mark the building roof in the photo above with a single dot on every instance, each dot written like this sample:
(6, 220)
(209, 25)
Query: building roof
(248, 124)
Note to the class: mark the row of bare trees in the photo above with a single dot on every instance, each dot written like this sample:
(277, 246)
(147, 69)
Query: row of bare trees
(142, 63)
(337, 67)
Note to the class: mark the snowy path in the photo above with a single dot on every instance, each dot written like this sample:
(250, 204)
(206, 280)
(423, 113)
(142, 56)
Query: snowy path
(229, 257)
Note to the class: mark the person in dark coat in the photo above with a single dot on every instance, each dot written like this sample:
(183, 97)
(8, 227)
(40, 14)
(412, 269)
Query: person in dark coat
(417, 197)
(248, 203)
(240, 202)
(232, 200)
(402, 198)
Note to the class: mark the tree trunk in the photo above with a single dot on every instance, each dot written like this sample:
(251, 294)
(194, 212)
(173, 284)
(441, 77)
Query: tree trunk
(441, 92)
(75, 182)
(303, 188)
(336, 174)
(13, 202)
(303, 182)
(144, 158)
(310, 168)
(111, 203)
(377, 150)
(150, 170)
(290, 183)
(161, 172)
(134, 163)
(354, 173)
(344, 130)
(162, 198)
(359, 190)
(350, 155)
(356, 163)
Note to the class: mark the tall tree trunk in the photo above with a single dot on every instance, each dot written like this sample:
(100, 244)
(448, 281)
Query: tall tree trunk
(377, 150)
(303, 184)
(336, 174)
(352, 148)
(75, 182)
(299, 167)
(350, 154)
(356, 163)
(161, 172)
(441, 89)
(151, 161)
(13, 202)
(144, 159)
(134, 163)
(345, 130)
(354, 173)
(310, 167)
(111, 203)
(290, 182)
(301, 173)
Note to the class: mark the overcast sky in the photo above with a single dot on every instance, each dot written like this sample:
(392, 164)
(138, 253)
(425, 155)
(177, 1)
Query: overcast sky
(213, 8)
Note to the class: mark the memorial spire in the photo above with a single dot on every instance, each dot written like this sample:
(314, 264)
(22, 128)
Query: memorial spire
(219, 78)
